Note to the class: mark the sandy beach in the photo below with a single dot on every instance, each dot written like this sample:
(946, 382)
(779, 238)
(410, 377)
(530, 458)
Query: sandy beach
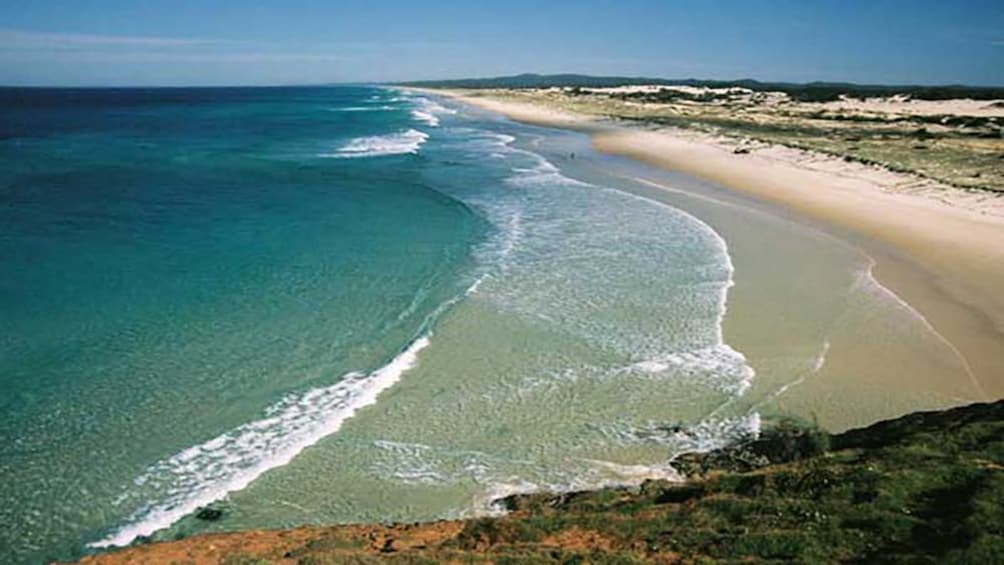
(938, 248)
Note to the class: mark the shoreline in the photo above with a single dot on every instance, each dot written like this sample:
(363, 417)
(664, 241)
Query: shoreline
(907, 455)
(935, 251)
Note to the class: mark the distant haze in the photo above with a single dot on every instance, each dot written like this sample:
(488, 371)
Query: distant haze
(231, 42)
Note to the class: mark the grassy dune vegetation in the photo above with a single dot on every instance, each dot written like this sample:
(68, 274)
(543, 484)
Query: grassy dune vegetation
(960, 150)
(804, 92)
(961, 145)
(924, 488)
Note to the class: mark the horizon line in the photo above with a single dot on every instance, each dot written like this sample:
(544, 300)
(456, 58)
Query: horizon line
(499, 77)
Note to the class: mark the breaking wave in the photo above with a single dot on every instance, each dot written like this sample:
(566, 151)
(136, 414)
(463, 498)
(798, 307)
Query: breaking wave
(207, 472)
(405, 142)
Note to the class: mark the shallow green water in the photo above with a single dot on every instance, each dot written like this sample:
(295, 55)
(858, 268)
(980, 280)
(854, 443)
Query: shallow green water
(201, 284)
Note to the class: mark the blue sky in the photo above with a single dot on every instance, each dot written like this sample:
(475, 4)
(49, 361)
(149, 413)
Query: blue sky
(211, 42)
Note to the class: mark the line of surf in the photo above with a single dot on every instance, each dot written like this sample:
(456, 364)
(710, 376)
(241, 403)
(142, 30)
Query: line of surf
(409, 141)
(227, 463)
(208, 472)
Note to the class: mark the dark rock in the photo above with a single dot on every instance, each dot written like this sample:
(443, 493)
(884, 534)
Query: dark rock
(679, 494)
(209, 514)
(889, 432)
(735, 459)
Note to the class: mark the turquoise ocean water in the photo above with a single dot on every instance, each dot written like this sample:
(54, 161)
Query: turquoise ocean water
(315, 305)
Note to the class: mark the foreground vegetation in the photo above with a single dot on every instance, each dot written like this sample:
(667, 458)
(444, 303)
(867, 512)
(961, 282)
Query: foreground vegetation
(924, 488)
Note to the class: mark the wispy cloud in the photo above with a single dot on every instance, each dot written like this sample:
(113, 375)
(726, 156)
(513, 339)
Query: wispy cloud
(35, 57)
(246, 57)
(35, 40)
(31, 45)
(30, 40)
(981, 36)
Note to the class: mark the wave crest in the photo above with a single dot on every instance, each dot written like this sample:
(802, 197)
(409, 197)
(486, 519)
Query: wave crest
(400, 143)
(205, 473)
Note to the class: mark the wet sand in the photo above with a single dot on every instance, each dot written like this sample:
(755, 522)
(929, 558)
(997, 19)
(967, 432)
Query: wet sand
(946, 262)
(943, 265)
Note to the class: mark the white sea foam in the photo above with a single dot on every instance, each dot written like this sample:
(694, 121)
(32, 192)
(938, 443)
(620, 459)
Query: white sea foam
(383, 108)
(732, 374)
(409, 141)
(489, 503)
(421, 467)
(817, 365)
(503, 140)
(715, 433)
(723, 250)
(433, 106)
(416, 463)
(718, 358)
(514, 233)
(588, 474)
(498, 250)
(543, 172)
(425, 117)
(419, 464)
(706, 356)
(709, 434)
(866, 281)
(821, 358)
(428, 111)
(205, 473)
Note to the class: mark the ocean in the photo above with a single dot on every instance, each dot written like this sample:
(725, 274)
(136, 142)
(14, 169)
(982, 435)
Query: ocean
(323, 305)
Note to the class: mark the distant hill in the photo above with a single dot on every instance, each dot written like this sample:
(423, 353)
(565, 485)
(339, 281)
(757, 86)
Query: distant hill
(806, 92)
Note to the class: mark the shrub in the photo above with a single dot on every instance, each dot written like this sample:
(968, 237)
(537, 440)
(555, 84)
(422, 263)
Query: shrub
(790, 440)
